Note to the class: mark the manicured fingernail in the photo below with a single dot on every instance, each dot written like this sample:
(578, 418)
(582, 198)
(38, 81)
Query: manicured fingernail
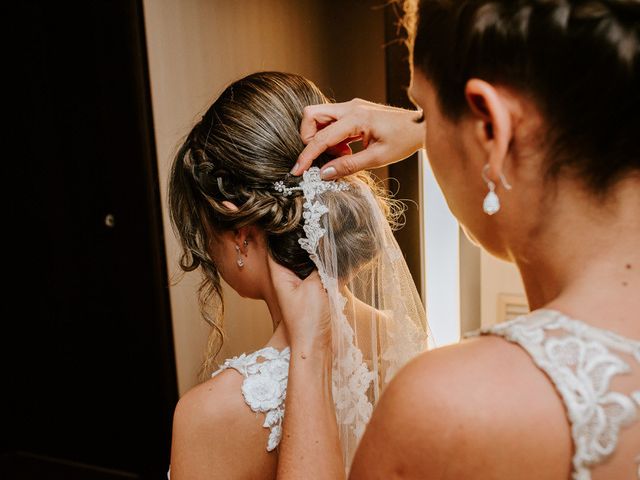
(328, 173)
(294, 170)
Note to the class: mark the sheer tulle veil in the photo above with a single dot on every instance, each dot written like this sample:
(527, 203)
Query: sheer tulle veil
(378, 320)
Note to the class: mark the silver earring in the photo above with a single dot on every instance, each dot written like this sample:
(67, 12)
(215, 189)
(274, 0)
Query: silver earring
(245, 243)
(491, 203)
(239, 260)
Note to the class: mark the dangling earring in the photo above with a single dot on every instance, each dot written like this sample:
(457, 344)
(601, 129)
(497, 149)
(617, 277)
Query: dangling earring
(239, 260)
(491, 203)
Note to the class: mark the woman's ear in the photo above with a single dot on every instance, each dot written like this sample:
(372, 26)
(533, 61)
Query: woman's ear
(239, 236)
(493, 122)
(230, 205)
(242, 237)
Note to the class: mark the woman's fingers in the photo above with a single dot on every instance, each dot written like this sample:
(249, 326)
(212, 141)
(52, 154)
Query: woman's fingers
(284, 280)
(341, 149)
(315, 117)
(330, 136)
(388, 135)
(348, 164)
(289, 287)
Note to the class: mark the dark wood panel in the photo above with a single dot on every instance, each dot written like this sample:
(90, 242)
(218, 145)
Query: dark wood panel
(90, 362)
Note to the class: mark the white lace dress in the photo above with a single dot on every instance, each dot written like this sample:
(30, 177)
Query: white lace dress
(264, 388)
(581, 361)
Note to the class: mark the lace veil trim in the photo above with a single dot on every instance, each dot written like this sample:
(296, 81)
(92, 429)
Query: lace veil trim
(353, 408)
(377, 318)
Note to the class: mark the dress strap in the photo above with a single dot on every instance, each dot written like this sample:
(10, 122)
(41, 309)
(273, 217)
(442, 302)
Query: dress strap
(581, 362)
(264, 387)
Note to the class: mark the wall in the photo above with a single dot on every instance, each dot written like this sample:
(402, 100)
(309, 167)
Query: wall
(197, 47)
(496, 277)
(470, 285)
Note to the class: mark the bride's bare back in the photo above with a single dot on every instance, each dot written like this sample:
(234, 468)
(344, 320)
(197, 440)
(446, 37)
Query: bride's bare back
(217, 435)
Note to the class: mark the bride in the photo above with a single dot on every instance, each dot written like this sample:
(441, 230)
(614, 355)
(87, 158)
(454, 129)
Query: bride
(241, 217)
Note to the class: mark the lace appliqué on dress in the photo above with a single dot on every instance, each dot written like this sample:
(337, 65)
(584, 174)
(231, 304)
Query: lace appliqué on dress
(581, 365)
(265, 386)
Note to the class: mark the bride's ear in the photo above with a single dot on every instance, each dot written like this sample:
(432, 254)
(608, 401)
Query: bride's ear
(230, 205)
(240, 236)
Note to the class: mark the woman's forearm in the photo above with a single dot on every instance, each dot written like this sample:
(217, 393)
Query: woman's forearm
(310, 446)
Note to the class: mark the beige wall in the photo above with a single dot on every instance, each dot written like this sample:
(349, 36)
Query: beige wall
(497, 278)
(470, 289)
(197, 47)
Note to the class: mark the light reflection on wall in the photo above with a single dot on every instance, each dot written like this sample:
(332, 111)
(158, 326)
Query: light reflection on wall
(440, 260)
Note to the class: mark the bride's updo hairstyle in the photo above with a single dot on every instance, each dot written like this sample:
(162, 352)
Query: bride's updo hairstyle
(247, 140)
(578, 60)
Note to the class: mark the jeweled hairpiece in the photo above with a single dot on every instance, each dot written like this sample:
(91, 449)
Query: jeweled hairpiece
(312, 184)
(282, 188)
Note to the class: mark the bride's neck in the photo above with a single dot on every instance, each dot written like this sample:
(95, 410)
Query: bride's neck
(279, 338)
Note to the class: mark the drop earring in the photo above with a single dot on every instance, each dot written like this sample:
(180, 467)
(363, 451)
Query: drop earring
(239, 260)
(491, 203)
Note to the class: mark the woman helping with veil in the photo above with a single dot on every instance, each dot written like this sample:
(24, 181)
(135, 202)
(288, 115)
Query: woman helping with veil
(531, 114)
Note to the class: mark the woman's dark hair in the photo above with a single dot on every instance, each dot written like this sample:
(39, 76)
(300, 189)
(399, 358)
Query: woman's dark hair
(246, 141)
(578, 60)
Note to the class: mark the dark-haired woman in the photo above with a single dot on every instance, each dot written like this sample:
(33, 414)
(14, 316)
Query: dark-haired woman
(530, 116)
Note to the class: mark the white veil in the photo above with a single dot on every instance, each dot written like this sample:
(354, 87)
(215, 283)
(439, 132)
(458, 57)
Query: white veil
(378, 320)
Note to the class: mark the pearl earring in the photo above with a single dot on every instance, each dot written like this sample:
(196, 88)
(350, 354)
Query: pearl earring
(239, 260)
(491, 203)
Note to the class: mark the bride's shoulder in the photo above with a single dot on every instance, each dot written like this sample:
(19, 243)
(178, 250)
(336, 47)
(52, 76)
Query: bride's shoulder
(212, 402)
(216, 434)
(469, 410)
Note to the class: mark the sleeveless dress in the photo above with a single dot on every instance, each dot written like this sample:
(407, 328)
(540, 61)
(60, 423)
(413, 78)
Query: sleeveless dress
(264, 387)
(581, 361)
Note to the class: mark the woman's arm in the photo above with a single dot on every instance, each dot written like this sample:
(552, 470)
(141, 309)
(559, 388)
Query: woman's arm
(388, 135)
(310, 446)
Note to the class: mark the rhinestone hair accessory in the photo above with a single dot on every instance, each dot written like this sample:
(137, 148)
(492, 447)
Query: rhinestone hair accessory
(311, 183)
(283, 189)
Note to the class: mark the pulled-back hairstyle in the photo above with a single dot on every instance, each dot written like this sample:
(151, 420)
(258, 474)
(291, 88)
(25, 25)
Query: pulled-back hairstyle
(247, 140)
(578, 60)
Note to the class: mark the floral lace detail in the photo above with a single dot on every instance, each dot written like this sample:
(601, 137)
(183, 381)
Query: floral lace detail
(350, 382)
(405, 339)
(312, 185)
(265, 386)
(403, 344)
(581, 365)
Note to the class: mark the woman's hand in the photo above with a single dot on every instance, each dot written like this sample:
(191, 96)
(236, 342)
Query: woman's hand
(310, 444)
(388, 135)
(304, 306)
